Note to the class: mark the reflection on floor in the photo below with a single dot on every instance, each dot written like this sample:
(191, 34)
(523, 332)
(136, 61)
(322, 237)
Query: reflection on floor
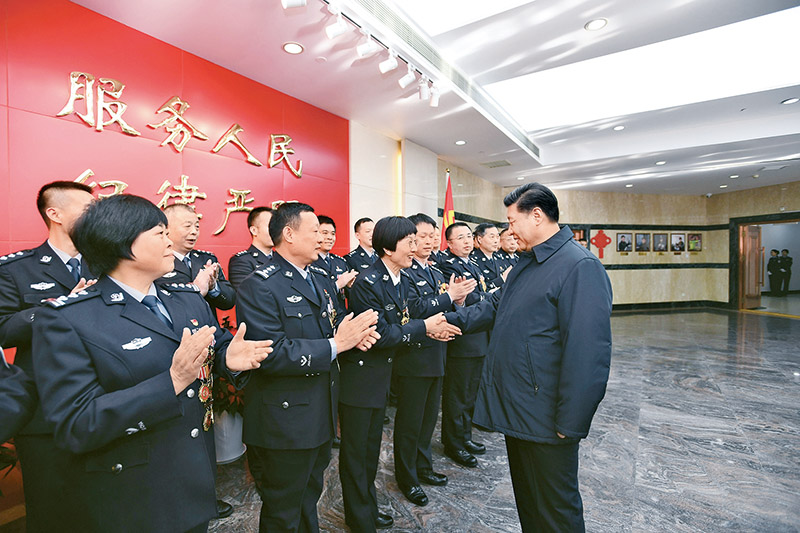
(699, 431)
(784, 305)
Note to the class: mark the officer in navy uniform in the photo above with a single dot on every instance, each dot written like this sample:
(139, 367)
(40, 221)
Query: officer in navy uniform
(125, 371)
(17, 399)
(465, 357)
(336, 267)
(290, 402)
(363, 255)
(488, 240)
(385, 288)
(507, 255)
(27, 279)
(419, 371)
(244, 263)
(203, 268)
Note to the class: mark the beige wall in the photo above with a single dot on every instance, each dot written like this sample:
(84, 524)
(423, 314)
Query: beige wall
(762, 201)
(471, 194)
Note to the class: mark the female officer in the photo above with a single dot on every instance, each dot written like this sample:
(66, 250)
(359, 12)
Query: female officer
(365, 376)
(125, 371)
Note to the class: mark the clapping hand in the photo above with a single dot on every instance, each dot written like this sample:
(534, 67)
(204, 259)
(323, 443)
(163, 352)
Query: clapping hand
(357, 332)
(190, 356)
(459, 288)
(346, 279)
(246, 355)
(82, 284)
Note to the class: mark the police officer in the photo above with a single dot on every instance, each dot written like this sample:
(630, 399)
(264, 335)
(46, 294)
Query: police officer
(785, 267)
(17, 398)
(336, 267)
(507, 255)
(365, 376)
(125, 372)
(290, 402)
(244, 263)
(28, 278)
(487, 238)
(363, 255)
(196, 266)
(419, 370)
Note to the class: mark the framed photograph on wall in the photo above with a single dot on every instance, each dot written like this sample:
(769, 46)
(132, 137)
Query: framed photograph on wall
(678, 242)
(642, 242)
(695, 242)
(660, 242)
(624, 242)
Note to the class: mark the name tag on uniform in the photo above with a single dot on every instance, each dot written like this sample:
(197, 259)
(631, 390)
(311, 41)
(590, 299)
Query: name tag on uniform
(137, 344)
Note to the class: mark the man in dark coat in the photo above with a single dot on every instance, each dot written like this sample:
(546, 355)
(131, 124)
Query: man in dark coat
(506, 256)
(550, 355)
(774, 272)
(27, 279)
(244, 263)
(17, 399)
(363, 255)
(337, 268)
(785, 267)
(487, 239)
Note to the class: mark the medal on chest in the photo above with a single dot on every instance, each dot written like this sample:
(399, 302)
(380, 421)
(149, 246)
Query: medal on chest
(442, 287)
(331, 309)
(205, 395)
(405, 317)
(483, 284)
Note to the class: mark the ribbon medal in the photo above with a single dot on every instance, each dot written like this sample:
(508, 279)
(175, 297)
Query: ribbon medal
(206, 378)
(406, 318)
(331, 309)
(442, 287)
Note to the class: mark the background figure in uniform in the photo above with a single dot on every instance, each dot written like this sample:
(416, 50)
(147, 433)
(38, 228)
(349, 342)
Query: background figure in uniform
(464, 357)
(419, 369)
(488, 239)
(363, 255)
(437, 254)
(506, 256)
(336, 267)
(244, 263)
(196, 266)
(786, 272)
(774, 272)
(365, 376)
(125, 372)
(17, 398)
(27, 279)
(290, 402)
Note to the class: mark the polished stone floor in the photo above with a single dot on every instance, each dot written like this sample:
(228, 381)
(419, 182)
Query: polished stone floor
(699, 431)
(787, 305)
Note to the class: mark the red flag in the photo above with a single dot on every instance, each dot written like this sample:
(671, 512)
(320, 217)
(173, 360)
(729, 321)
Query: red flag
(449, 214)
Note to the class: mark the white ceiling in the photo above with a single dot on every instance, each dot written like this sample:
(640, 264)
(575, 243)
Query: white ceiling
(510, 42)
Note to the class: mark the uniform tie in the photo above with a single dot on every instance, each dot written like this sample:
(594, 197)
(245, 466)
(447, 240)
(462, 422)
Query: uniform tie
(310, 282)
(151, 302)
(75, 268)
(188, 263)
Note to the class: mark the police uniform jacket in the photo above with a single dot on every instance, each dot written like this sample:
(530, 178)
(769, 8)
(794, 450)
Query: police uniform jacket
(334, 266)
(785, 264)
(425, 358)
(103, 360)
(490, 269)
(366, 375)
(27, 279)
(359, 259)
(17, 399)
(773, 265)
(244, 263)
(504, 260)
(468, 344)
(198, 258)
(290, 402)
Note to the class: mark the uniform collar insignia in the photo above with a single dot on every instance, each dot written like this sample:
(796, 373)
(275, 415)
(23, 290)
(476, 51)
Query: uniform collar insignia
(288, 274)
(117, 297)
(46, 258)
(164, 292)
(170, 274)
(42, 286)
(293, 299)
(386, 277)
(137, 343)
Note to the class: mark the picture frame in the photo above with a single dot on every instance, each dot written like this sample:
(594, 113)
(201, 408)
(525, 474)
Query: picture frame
(694, 242)
(624, 242)
(642, 242)
(677, 242)
(660, 242)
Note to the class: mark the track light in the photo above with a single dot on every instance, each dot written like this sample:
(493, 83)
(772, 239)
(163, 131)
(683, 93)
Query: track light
(292, 3)
(408, 79)
(337, 28)
(424, 89)
(388, 64)
(368, 47)
(434, 96)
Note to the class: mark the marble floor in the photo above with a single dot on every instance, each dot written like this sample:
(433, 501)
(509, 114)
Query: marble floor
(699, 431)
(785, 305)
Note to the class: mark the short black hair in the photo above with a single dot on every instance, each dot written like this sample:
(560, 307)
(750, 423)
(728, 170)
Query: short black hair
(533, 195)
(785, 250)
(287, 214)
(422, 218)
(389, 231)
(503, 228)
(105, 233)
(325, 219)
(481, 228)
(774, 250)
(360, 221)
(43, 199)
(451, 227)
(253, 216)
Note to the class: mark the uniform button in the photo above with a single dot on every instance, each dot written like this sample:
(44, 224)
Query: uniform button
(333, 383)
(324, 314)
(117, 468)
(399, 315)
(195, 433)
(190, 393)
(285, 405)
(361, 363)
(300, 315)
(389, 360)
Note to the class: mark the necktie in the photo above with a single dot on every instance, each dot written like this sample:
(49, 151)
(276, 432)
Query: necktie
(151, 302)
(75, 268)
(188, 263)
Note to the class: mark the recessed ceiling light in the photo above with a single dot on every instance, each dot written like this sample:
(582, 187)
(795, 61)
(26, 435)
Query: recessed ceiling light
(619, 128)
(755, 175)
(659, 163)
(596, 24)
(723, 186)
(734, 176)
(790, 101)
(629, 185)
(292, 3)
(293, 48)
(461, 143)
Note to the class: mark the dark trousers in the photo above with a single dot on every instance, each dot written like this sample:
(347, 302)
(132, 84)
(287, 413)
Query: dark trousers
(545, 479)
(462, 376)
(783, 283)
(362, 429)
(417, 410)
(774, 284)
(48, 485)
(291, 484)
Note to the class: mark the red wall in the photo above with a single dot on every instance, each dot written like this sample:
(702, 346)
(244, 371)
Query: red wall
(44, 40)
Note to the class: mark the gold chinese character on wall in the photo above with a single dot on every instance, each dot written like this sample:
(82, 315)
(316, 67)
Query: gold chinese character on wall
(81, 87)
(231, 136)
(239, 201)
(279, 151)
(119, 186)
(186, 194)
(180, 130)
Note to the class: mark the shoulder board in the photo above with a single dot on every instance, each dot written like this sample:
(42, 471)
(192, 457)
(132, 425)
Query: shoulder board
(334, 255)
(267, 272)
(317, 269)
(351, 252)
(434, 267)
(237, 254)
(182, 287)
(10, 258)
(61, 301)
(371, 278)
(404, 273)
(203, 252)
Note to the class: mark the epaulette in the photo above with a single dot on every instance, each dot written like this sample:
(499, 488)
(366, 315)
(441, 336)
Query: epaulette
(334, 255)
(434, 267)
(203, 252)
(318, 270)
(404, 273)
(237, 254)
(71, 298)
(182, 287)
(10, 258)
(267, 272)
(371, 278)
(351, 252)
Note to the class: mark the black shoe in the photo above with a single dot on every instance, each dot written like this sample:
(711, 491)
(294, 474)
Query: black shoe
(386, 420)
(463, 457)
(475, 448)
(433, 478)
(416, 496)
(384, 521)
(337, 442)
(224, 509)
